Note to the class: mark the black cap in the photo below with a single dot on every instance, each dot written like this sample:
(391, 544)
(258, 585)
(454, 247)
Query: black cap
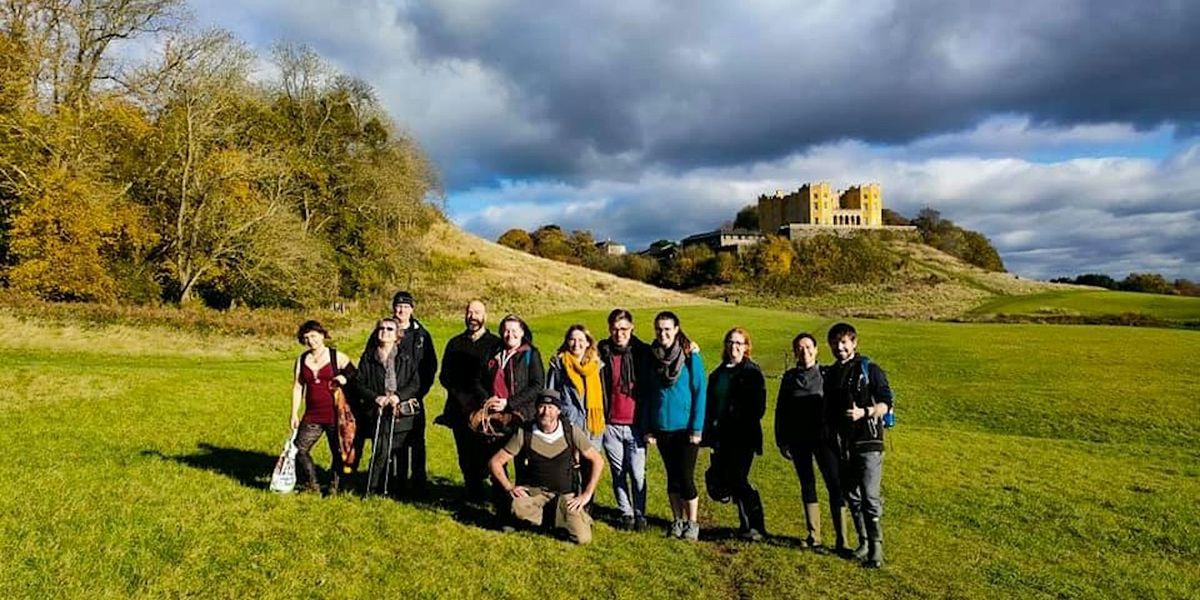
(403, 297)
(549, 396)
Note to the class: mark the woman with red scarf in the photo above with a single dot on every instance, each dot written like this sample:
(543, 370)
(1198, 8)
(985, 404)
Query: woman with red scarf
(513, 378)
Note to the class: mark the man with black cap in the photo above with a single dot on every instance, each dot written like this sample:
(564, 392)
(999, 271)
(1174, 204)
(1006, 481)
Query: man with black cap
(414, 347)
(548, 455)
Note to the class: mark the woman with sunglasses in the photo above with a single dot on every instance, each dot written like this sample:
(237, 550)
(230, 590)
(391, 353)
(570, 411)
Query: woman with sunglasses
(737, 399)
(386, 387)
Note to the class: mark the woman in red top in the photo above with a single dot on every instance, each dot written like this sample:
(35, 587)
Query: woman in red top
(315, 375)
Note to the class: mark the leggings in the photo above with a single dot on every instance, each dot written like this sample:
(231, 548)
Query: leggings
(679, 458)
(825, 455)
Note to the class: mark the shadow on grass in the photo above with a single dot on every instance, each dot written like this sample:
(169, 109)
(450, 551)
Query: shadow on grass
(247, 467)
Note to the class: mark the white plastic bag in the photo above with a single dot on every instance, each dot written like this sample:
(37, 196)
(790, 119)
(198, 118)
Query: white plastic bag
(283, 478)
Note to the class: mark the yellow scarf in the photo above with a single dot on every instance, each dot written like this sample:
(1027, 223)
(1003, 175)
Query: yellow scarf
(586, 378)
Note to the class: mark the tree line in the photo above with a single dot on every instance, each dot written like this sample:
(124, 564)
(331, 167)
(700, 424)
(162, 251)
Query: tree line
(186, 175)
(1149, 283)
(776, 264)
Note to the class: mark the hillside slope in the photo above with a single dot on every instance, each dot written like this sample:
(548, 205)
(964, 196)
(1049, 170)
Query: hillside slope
(461, 266)
(928, 284)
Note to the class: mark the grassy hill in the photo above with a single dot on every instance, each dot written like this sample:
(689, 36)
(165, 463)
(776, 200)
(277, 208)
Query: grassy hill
(929, 284)
(1029, 461)
(462, 266)
(1093, 303)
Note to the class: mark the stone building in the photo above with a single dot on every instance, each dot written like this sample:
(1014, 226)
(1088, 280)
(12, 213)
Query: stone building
(735, 240)
(815, 204)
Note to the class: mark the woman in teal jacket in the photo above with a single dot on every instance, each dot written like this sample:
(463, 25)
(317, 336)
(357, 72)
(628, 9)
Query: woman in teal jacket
(674, 418)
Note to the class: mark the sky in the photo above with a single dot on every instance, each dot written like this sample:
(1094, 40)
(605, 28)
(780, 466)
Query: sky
(1064, 130)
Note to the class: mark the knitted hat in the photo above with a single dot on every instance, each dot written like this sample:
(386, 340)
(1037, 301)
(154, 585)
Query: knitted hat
(403, 297)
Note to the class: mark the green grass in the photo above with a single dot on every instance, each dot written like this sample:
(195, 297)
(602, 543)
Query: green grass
(1030, 461)
(1094, 304)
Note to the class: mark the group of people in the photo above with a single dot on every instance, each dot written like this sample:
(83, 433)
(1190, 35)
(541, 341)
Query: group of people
(618, 396)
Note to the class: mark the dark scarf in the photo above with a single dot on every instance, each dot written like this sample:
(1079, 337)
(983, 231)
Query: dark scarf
(668, 362)
(809, 381)
(628, 373)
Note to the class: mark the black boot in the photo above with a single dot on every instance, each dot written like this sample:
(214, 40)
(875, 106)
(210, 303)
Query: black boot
(860, 536)
(755, 516)
(874, 558)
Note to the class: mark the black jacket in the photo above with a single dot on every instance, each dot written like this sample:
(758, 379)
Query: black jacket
(463, 364)
(525, 376)
(639, 352)
(417, 344)
(801, 416)
(368, 384)
(845, 387)
(739, 425)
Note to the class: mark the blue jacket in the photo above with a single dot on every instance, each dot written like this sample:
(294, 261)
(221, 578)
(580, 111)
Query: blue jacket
(680, 406)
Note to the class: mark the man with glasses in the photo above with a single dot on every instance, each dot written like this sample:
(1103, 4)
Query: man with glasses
(623, 358)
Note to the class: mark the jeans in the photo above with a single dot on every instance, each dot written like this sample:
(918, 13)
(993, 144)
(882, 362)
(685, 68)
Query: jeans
(306, 438)
(860, 477)
(626, 453)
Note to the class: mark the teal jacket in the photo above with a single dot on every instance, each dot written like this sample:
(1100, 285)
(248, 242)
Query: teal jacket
(679, 406)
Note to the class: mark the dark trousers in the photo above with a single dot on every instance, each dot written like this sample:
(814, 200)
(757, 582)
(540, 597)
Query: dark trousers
(306, 437)
(679, 458)
(825, 454)
(414, 446)
(473, 457)
(389, 469)
(734, 466)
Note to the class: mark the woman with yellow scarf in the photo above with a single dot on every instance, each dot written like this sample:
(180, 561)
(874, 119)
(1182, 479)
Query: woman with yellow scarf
(575, 373)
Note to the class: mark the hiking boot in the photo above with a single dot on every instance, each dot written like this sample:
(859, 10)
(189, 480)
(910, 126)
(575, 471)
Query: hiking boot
(752, 535)
(860, 532)
(639, 523)
(676, 529)
(627, 523)
(874, 558)
(691, 531)
(334, 485)
(309, 488)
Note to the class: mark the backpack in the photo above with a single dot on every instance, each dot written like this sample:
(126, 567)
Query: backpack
(889, 418)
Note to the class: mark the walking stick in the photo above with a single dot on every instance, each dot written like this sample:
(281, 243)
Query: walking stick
(374, 453)
(387, 466)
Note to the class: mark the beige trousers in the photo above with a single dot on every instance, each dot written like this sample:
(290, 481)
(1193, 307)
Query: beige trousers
(533, 508)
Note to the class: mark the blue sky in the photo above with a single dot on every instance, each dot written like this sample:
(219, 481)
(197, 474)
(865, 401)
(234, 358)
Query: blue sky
(1065, 131)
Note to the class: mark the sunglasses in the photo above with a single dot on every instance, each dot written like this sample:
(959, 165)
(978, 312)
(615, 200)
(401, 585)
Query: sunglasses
(385, 329)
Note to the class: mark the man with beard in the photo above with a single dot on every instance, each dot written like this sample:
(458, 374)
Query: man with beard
(548, 455)
(858, 397)
(463, 364)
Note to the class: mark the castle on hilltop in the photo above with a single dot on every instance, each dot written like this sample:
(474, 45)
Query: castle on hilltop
(815, 205)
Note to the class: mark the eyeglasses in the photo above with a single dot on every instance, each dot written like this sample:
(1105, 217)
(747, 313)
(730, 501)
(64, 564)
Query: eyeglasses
(735, 343)
(385, 329)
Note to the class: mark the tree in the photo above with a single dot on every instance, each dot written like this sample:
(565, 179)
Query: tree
(747, 218)
(1149, 283)
(67, 240)
(516, 238)
(771, 257)
(891, 217)
(549, 241)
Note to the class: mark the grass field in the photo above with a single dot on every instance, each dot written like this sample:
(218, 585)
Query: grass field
(1029, 461)
(1094, 303)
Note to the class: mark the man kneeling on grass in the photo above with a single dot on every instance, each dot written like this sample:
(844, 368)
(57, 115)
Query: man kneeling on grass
(548, 454)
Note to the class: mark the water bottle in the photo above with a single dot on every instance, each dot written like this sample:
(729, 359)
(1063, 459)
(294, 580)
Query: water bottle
(889, 418)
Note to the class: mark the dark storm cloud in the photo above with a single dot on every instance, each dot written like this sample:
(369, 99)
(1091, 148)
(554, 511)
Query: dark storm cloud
(712, 83)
